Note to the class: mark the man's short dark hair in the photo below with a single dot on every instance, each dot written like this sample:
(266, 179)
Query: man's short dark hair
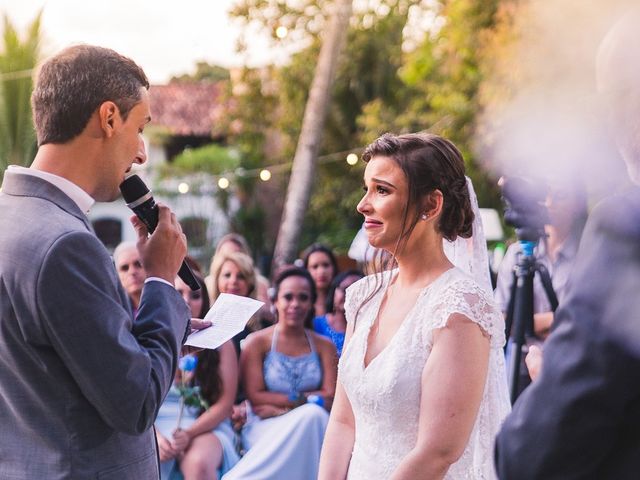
(75, 82)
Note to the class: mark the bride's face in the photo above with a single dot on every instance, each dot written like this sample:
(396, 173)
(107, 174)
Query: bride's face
(384, 202)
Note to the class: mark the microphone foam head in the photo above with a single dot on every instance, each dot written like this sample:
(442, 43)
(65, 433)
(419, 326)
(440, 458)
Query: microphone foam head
(133, 188)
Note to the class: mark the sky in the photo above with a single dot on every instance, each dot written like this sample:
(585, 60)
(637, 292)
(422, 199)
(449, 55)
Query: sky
(164, 37)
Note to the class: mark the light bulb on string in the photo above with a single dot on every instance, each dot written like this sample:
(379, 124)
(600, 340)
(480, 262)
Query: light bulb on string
(265, 175)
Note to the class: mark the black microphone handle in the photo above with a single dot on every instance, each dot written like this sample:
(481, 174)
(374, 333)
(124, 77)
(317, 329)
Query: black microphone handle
(187, 276)
(148, 214)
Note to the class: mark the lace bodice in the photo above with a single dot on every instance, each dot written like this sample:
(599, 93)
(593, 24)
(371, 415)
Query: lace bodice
(385, 396)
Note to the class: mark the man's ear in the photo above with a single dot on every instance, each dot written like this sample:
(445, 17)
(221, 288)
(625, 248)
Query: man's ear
(109, 115)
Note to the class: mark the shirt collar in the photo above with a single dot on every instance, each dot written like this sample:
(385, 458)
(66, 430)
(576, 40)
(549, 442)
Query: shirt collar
(73, 191)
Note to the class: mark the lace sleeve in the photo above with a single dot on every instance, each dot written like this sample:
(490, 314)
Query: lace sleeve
(465, 297)
(354, 296)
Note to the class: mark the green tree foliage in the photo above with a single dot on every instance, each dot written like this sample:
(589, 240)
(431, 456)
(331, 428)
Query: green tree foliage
(253, 104)
(17, 61)
(369, 71)
(213, 159)
(431, 84)
(441, 80)
(205, 72)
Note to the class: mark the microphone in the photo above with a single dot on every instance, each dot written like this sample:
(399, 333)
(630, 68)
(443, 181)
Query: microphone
(139, 199)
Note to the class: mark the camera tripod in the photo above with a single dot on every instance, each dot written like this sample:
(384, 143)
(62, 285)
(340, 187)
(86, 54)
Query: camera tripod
(519, 319)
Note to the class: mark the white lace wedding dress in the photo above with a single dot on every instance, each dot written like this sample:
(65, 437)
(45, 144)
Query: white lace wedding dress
(385, 396)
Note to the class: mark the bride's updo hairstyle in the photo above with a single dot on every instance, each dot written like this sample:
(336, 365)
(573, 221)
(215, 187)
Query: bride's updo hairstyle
(429, 163)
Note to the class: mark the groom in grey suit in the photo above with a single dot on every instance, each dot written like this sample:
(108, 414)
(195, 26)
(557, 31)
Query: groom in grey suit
(81, 381)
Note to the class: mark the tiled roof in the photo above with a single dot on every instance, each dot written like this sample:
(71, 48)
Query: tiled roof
(187, 108)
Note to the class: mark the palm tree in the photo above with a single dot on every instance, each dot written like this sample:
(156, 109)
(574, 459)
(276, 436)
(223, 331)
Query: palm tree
(315, 113)
(17, 63)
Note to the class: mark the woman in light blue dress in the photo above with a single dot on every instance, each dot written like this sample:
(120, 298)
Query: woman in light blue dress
(289, 376)
(203, 444)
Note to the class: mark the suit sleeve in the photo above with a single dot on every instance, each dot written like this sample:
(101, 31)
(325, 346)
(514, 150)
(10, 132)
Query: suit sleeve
(563, 425)
(123, 367)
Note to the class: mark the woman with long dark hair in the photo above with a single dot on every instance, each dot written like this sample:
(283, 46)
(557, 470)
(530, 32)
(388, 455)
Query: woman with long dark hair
(321, 263)
(422, 386)
(203, 444)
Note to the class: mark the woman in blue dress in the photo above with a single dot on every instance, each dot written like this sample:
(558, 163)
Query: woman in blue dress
(334, 324)
(289, 376)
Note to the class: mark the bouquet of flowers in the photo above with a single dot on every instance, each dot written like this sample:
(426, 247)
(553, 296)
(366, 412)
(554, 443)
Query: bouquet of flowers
(189, 394)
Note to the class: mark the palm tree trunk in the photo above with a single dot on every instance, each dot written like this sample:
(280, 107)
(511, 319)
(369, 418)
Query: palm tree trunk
(315, 113)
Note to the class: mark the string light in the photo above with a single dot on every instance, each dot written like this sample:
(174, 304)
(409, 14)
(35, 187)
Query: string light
(265, 175)
(282, 32)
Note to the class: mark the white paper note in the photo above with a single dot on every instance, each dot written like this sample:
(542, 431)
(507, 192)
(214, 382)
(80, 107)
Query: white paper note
(228, 316)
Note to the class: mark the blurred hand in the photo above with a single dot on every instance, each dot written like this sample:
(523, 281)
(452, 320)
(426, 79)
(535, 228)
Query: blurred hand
(165, 448)
(534, 361)
(239, 415)
(162, 253)
(181, 440)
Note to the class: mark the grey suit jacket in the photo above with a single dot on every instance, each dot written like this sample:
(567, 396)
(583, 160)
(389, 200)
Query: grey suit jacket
(581, 418)
(81, 382)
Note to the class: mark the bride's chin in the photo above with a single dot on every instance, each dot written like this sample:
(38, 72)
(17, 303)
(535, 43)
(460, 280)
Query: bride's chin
(373, 241)
(376, 243)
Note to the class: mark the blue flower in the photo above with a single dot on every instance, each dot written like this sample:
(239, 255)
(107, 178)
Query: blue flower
(188, 363)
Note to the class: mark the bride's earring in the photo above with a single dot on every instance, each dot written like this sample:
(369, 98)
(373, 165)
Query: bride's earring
(424, 216)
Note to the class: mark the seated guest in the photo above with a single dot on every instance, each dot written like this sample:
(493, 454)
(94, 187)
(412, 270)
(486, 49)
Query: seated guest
(234, 273)
(203, 445)
(321, 263)
(130, 271)
(234, 242)
(289, 376)
(334, 323)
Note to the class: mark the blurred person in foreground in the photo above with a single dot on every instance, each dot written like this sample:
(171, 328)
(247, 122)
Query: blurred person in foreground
(130, 272)
(590, 378)
(566, 203)
(81, 381)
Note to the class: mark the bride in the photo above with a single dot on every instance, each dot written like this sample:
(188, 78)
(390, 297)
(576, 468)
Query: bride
(422, 385)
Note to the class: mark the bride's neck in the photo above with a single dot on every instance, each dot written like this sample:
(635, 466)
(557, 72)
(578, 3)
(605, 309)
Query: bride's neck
(421, 261)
